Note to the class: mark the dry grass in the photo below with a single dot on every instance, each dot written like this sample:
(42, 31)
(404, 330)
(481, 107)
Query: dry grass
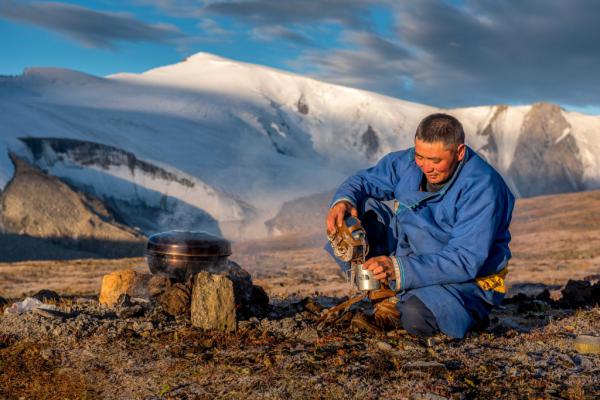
(28, 370)
(257, 363)
(72, 277)
(553, 241)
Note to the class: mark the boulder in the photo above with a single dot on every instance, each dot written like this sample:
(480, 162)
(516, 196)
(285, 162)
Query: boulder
(220, 300)
(125, 281)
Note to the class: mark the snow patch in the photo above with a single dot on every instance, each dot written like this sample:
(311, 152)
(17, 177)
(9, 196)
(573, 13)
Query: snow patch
(563, 135)
(586, 131)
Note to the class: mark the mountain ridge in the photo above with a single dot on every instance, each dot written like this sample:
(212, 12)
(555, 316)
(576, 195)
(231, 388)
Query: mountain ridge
(260, 137)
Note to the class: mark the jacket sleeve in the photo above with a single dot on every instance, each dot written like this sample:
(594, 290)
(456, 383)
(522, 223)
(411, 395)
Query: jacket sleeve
(481, 216)
(378, 182)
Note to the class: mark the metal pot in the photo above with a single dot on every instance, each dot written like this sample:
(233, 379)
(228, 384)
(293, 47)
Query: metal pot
(181, 254)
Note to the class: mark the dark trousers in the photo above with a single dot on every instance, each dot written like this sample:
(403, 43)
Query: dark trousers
(416, 318)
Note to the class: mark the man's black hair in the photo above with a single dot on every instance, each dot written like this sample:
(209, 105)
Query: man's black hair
(440, 128)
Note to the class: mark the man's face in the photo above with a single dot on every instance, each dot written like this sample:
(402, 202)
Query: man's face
(437, 160)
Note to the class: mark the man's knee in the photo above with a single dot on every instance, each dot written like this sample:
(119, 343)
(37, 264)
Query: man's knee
(416, 318)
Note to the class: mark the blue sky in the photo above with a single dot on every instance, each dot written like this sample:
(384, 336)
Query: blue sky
(440, 52)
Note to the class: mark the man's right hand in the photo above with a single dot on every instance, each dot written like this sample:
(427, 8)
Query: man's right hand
(337, 213)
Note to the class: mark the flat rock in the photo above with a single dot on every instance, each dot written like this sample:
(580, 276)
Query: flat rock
(52, 314)
(427, 396)
(425, 366)
(124, 281)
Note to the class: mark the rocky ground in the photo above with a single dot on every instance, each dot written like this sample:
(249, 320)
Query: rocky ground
(85, 350)
(90, 351)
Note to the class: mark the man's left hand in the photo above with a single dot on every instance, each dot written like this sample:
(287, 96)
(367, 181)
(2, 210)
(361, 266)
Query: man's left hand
(382, 267)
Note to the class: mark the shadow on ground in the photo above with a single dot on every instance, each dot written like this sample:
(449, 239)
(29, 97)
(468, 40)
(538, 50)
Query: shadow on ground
(14, 247)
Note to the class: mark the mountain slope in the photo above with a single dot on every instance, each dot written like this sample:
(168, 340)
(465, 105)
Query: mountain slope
(41, 217)
(217, 144)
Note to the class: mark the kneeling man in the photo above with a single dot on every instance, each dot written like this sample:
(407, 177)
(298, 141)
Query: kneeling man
(444, 247)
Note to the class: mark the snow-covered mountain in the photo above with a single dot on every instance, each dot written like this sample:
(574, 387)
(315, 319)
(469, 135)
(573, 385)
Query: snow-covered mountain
(218, 144)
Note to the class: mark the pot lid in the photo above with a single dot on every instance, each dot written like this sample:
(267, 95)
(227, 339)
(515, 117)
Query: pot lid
(188, 243)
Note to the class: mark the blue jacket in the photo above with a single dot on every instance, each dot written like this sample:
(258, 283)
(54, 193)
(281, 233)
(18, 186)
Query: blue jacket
(448, 237)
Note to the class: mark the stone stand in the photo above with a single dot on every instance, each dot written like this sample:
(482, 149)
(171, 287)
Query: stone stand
(220, 300)
(213, 303)
(213, 300)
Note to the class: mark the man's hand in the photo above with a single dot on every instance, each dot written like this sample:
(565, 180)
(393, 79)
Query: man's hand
(382, 267)
(337, 213)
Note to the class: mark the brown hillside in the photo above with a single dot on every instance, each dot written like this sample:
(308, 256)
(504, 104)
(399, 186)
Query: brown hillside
(50, 216)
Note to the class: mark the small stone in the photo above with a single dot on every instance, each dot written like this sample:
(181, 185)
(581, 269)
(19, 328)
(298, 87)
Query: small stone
(425, 366)
(311, 305)
(143, 326)
(246, 325)
(587, 344)
(427, 396)
(176, 299)
(130, 312)
(308, 335)
(123, 281)
(124, 300)
(126, 308)
(520, 357)
(267, 361)
(46, 296)
(158, 284)
(583, 362)
(453, 364)
(47, 354)
(383, 346)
